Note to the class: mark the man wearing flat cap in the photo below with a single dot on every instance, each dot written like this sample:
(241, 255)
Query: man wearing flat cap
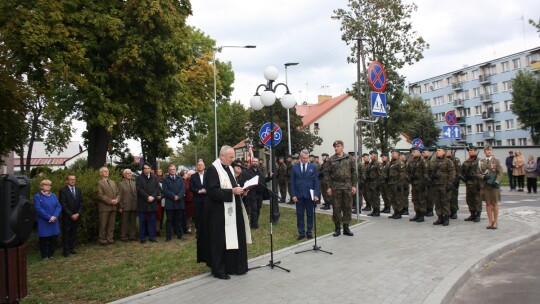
(441, 178)
(341, 186)
(469, 173)
(324, 184)
(373, 183)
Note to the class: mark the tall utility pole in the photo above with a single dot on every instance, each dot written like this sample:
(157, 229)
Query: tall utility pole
(288, 115)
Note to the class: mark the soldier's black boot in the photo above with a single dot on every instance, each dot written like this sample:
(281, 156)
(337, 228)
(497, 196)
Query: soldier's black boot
(420, 217)
(446, 220)
(405, 211)
(386, 209)
(438, 221)
(429, 212)
(477, 216)
(338, 230)
(375, 212)
(415, 217)
(453, 215)
(471, 217)
(346, 230)
(367, 208)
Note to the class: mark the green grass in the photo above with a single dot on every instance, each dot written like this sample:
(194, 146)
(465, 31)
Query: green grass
(100, 274)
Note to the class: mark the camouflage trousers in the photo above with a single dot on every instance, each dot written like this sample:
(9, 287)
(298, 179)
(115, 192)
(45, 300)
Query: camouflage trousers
(473, 198)
(373, 196)
(419, 194)
(342, 206)
(440, 199)
(395, 197)
(384, 193)
(327, 198)
(365, 196)
(405, 190)
(282, 189)
(454, 199)
(429, 198)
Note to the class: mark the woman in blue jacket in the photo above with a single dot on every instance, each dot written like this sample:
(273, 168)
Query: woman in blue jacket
(48, 210)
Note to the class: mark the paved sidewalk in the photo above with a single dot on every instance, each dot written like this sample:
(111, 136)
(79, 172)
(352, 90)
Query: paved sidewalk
(387, 261)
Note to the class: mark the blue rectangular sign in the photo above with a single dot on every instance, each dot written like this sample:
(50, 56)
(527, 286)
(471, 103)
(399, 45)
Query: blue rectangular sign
(451, 131)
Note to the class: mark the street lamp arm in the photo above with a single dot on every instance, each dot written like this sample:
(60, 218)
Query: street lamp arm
(257, 90)
(282, 84)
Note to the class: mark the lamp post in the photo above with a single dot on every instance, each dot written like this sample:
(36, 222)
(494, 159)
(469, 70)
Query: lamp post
(267, 99)
(288, 64)
(215, 87)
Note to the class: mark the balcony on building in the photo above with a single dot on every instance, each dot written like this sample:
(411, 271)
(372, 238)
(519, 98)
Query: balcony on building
(461, 120)
(488, 116)
(457, 86)
(485, 98)
(488, 134)
(484, 79)
(459, 103)
(463, 138)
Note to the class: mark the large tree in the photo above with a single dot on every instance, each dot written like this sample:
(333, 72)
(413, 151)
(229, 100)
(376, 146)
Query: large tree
(420, 122)
(525, 101)
(384, 31)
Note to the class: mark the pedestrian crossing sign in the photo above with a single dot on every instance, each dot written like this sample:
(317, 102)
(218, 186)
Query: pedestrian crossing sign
(378, 104)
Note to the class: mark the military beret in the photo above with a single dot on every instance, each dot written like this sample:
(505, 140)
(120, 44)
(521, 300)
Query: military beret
(442, 147)
(289, 155)
(472, 148)
(384, 154)
(394, 150)
(315, 156)
(337, 142)
(414, 148)
(325, 154)
(373, 152)
(311, 155)
(365, 154)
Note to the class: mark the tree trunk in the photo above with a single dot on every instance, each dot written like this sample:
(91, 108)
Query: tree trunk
(98, 142)
(33, 131)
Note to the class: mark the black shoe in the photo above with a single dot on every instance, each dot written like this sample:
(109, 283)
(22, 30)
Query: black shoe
(346, 230)
(143, 241)
(439, 220)
(367, 208)
(300, 237)
(429, 212)
(222, 276)
(453, 215)
(325, 207)
(477, 217)
(167, 239)
(446, 220)
(65, 254)
(337, 232)
(405, 211)
(153, 240)
(420, 218)
(386, 210)
(309, 236)
(471, 217)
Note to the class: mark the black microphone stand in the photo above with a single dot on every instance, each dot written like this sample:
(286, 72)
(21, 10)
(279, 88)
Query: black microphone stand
(315, 247)
(271, 263)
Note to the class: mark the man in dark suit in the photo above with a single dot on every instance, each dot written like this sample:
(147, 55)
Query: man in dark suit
(304, 181)
(174, 191)
(147, 192)
(198, 187)
(71, 198)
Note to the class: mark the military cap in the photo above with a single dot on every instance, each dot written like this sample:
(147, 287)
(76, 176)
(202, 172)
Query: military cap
(311, 155)
(384, 154)
(281, 157)
(374, 151)
(472, 148)
(295, 157)
(325, 154)
(315, 156)
(337, 142)
(395, 150)
(414, 148)
(441, 147)
(365, 154)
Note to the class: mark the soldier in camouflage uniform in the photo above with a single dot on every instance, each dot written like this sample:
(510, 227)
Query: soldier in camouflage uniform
(469, 171)
(405, 186)
(373, 183)
(429, 195)
(324, 184)
(341, 185)
(362, 180)
(453, 195)
(396, 173)
(384, 184)
(417, 171)
(282, 178)
(290, 162)
(441, 179)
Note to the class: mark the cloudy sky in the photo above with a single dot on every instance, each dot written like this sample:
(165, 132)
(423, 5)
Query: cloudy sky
(460, 32)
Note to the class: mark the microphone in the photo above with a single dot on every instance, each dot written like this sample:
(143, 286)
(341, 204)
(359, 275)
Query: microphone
(239, 166)
(342, 158)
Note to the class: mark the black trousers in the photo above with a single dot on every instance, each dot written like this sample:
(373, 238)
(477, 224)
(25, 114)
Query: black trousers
(47, 246)
(531, 184)
(174, 223)
(69, 233)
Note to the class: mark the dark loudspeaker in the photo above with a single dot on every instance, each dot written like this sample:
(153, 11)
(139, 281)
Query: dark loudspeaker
(16, 214)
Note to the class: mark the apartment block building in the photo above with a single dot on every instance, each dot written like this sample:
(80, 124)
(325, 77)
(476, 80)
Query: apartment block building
(481, 96)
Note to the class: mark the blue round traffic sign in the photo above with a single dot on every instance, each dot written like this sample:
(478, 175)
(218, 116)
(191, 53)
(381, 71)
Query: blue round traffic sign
(266, 134)
(377, 76)
(417, 142)
(451, 118)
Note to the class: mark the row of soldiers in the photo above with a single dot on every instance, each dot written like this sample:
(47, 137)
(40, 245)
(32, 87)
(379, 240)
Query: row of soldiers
(434, 182)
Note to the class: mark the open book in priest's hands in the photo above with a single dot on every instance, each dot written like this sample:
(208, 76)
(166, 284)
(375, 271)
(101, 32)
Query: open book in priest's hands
(251, 183)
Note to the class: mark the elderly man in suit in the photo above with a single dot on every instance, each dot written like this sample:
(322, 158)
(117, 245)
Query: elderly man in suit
(147, 192)
(71, 198)
(128, 207)
(109, 198)
(304, 192)
(174, 190)
(197, 185)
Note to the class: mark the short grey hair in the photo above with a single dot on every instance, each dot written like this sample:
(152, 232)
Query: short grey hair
(305, 151)
(126, 171)
(224, 149)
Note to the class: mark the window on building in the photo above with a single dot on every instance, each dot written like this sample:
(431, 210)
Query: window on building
(516, 63)
(522, 141)
(493, 70)
(494, 88)
(448, 81)
(505, 66)
(497, 143)
(465, 94)
(511, 142)
(478, 110)
(509, 124)
(476, 92)
(497, 107)
(427, 102)
(426, 87)
(467, 112)
(450, 98)
(469, 129)
(507, 86)
(439, 100)
(498, 126)
(475, 74)
(479, 128)
(533, 57)
(508, 105)
(479, 143)
(437, 84)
